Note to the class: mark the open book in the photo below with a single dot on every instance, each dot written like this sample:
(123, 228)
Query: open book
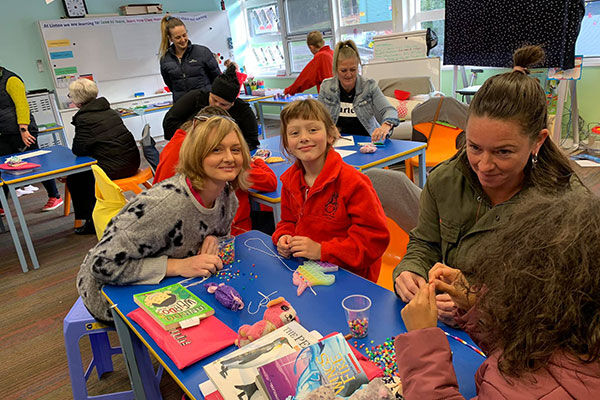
(235, 374)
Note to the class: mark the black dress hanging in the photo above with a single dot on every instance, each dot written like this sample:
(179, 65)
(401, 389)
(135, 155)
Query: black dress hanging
(487, 32)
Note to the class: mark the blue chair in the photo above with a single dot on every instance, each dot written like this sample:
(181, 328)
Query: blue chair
(77, 323)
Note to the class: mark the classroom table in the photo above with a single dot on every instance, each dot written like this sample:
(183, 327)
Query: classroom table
(392, 152)
(281, 102)
(322, 312)
(12, 229)
(254, 100)
(59, 161)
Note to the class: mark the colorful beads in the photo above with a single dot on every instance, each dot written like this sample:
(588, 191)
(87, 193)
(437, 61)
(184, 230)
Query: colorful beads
(359, 327)
(227, 275)
(227, 250)
(384, 355)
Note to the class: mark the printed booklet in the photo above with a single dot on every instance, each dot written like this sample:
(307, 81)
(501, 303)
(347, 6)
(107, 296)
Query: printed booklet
(235, 374)
(329, 362)
(173, 306)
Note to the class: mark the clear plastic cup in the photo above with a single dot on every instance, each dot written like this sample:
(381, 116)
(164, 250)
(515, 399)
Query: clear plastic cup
(227, 249)
(357, 307)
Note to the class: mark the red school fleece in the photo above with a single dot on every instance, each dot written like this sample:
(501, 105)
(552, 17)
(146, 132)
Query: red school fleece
(261, 177)
(315, 72)
(341, 212)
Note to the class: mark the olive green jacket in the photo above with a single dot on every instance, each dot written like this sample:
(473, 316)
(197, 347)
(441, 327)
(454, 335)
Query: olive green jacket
(454, 214)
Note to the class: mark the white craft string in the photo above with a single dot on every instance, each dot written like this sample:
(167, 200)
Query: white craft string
(263, 303)
(192, 284)
(269, 251)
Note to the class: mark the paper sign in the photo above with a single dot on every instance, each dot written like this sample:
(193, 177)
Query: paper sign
(57, 55)
(65, 71)
(59, 43)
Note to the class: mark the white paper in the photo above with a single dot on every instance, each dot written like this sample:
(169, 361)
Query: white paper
(33, 154)
(345, 153)
(587, 163)
(344, 141)
(189, 322)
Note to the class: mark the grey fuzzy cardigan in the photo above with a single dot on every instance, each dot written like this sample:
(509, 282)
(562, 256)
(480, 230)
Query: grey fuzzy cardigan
(166, 221)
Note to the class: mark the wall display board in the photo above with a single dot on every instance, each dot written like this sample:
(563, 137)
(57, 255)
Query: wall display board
(400, 46)
(427, 66)
(121, 53)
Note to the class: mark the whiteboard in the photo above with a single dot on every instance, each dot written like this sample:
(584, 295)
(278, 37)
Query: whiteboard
(113, 49)
(427, 66)
(400, 46)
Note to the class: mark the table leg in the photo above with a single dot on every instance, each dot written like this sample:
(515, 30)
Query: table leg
(277, 213)
(137, 359)
(13, 231)
(261, 117)
(422, 168)
(21, 218)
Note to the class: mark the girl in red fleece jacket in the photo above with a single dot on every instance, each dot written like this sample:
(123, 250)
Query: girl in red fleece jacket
(529, 297)
(329, 210)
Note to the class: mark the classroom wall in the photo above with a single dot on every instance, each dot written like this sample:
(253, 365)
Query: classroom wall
(21, 44)
(20, 38)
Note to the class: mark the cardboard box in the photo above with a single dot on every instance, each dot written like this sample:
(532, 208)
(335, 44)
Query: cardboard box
(137, 9)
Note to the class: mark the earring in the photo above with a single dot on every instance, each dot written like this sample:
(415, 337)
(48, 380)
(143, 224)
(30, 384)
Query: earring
(534, 159)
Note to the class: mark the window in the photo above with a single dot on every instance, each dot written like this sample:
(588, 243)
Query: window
(300, 55)
(303, 16)
(588, 41)
(354, 12)
(265, 48)
(430, 14)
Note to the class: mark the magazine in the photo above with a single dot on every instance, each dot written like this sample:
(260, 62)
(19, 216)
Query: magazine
(329, 362)
(235, 374)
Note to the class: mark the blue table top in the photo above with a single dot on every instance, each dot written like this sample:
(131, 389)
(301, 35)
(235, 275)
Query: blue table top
(393, 149)
(322, 312)
(298, 96)
(60, 159)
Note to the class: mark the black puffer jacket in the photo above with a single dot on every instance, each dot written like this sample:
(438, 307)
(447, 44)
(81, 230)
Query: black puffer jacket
(101, 134)
(196, 70)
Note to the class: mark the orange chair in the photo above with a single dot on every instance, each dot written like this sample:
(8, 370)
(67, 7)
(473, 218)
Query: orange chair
(441, 145)
(393, 254)
(133, 182)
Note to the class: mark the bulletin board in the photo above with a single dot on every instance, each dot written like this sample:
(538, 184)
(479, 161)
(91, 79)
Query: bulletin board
(400, 46)
(117, 48)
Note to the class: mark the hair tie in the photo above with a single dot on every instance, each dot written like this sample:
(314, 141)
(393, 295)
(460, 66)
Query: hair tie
(168, 18)
(518, 68)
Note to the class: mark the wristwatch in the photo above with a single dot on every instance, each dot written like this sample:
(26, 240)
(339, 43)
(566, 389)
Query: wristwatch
(23, 129)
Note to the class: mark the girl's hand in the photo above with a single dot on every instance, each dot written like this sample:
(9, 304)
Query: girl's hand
(454, 283)
(283, 246)
(210, 245)
(199, 265)
(302, 246)
(408, 284)
(445, 307)
(421, 312)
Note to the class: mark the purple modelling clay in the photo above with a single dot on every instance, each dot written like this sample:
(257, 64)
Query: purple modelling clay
(226, 295)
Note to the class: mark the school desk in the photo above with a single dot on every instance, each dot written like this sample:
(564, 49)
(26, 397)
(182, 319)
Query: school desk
(60, 161)
(279, 102)
(254, 100)
(393, 152)
(11, 227)
(322, 312)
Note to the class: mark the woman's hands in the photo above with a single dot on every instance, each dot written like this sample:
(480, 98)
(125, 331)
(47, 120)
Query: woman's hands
(454, 284)
(422, 311)
(299, 246)
(205, 263)
(28, 138)
(379, 134)
(408, 284)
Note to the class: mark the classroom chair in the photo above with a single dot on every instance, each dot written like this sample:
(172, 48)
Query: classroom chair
(109, 200)
(393, 254)
(78, 323)
(133, 182)
(438, 121)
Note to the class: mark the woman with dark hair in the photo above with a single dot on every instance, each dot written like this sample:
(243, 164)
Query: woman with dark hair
(183, 65)
(529, 297)
(507, 153)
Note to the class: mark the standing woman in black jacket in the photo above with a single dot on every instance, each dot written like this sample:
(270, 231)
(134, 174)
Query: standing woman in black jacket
(183, 65)
(100, 134)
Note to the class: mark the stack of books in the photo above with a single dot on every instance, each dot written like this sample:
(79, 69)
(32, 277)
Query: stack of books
(288, 363)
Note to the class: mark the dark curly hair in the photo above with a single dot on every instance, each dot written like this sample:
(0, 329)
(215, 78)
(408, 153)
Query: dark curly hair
(541, 274)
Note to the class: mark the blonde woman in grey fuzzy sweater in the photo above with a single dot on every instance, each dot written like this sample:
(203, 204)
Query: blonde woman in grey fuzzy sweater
(172, 228)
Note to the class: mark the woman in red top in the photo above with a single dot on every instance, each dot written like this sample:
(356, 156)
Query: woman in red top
(329, 210)
(261, 177)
